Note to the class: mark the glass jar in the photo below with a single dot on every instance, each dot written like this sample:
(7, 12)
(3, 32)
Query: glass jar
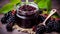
(27, 18)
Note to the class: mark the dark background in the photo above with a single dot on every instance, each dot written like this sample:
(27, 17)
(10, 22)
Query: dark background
(55, 4)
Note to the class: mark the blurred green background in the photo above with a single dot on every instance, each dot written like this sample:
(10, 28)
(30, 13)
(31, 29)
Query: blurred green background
(42, 4)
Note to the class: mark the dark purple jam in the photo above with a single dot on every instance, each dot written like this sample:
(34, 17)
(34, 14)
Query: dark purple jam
(27, 8)
(29, 22)
(30, 17)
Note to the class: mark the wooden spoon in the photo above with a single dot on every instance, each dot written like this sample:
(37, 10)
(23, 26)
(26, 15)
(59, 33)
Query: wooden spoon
(51, 13)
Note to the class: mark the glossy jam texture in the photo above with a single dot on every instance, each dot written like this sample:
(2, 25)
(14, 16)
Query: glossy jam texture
(27, 8)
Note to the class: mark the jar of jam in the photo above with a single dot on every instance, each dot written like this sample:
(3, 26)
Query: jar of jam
(26, 15)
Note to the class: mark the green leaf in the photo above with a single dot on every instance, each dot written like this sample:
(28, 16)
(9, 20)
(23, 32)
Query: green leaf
(10, 6)
(56, 16)
(37, 1)
(44, 4)
(7, 8)
(49, 6)
(15, 1)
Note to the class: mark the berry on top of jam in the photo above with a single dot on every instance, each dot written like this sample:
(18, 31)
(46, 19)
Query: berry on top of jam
(27, 8)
